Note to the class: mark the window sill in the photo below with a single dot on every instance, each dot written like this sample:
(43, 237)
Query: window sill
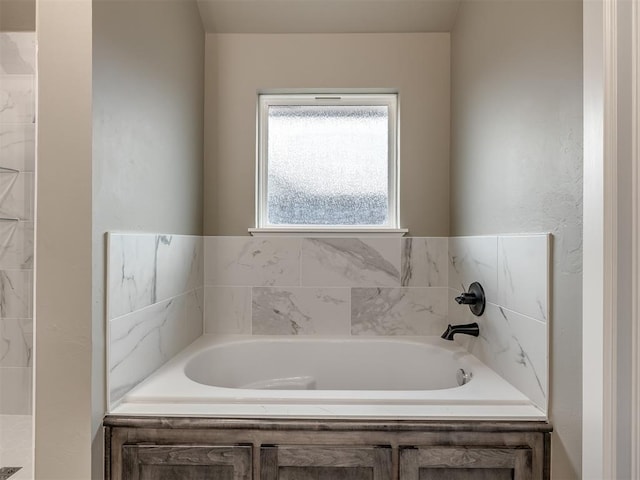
(328, 232)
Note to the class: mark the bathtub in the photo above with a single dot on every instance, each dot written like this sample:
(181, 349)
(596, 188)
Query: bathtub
(327, 377)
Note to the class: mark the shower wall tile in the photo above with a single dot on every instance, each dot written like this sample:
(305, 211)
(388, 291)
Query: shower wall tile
(474, 259)
(425, 262)
(17, 147)
(17, 195)
(252, 261)
(17, 390)
(16, 342)
(17, 99)
(16, 293)
(398, 311)
(515, 346)
(300, 311)
(18, 53)
(347, 262)
(142, 341)
(145, 268)
(227, 310)
(16, 245)
(523, 272)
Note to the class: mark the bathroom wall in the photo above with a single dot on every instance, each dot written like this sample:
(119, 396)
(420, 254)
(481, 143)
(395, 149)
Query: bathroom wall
(17, 15)
(240, 65)
(519, 64)
(17, 171)
(154, 303)
(147, 80)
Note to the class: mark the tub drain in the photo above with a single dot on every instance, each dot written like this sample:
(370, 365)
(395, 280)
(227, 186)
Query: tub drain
(463, 377)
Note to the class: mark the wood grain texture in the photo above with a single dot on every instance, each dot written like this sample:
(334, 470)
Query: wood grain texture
(150, 462)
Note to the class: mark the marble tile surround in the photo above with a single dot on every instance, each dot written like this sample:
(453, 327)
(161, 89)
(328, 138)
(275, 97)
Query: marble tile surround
(17, 152)
(331, 286)
(514, 271)
(155, 303)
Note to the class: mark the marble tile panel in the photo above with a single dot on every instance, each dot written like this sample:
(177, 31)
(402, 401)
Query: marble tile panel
(147, 268)
(17, 195)
(350, 262)
(227, 310)
(523, 275)
(16, 389)
(300, 311)
(18, 147)
(16, 342)
(18, 53)
(425, 262)
(252, 261)
(17, 99)
(142, 341)
(398, 311)
(474, 259)
(16, 293)
(515, 346)
(16, 245)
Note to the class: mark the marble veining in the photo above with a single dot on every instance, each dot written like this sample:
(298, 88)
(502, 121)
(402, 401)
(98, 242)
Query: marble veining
(142, 341)
(17, 99)
(17, 147)
(351, 262)
(474, 259)
(227, 310)
(17, 53)
(16, 342)
(252, 261)
(515, 346)
(16, 295)
(424, 262)
(16, 245)
(398, 311)
(523, 272)
(16, 195)
(145, 269)
(300, 311)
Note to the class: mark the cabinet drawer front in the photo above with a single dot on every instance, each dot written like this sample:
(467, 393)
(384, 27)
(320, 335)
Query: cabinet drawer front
(473, 463)
(325, 463)
(186, 462)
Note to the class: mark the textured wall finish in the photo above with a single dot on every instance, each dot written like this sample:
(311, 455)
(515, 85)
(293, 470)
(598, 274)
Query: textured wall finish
(17, 153)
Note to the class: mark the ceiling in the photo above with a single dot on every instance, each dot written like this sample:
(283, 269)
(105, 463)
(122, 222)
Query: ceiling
(328, 16)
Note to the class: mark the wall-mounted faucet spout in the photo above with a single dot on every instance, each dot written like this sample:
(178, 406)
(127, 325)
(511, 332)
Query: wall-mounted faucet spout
(468, 329)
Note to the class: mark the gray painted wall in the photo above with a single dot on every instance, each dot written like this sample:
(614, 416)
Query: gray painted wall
(17, 15)
(516, 163)
(148, 84)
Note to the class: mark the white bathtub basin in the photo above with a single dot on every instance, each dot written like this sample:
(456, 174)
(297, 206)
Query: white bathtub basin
(326, 377)
(328, 364)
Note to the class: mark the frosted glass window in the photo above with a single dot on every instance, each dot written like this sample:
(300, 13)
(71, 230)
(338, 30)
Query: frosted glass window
(328, 163)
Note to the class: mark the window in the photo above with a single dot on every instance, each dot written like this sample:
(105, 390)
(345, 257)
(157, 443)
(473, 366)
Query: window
(327, 162)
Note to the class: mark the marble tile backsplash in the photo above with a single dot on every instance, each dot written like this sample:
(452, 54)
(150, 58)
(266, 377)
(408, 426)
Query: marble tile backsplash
(155, 303)
(325, 285)
(17, 166)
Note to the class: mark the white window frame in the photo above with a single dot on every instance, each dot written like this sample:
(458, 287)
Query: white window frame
(265, 100)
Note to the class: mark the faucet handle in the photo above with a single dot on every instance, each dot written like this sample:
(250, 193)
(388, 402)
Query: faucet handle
(474, 298)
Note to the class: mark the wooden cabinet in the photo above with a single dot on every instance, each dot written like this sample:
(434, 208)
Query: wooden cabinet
(165, 448)
(325, 463)
(186, 462)
(463, 463)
